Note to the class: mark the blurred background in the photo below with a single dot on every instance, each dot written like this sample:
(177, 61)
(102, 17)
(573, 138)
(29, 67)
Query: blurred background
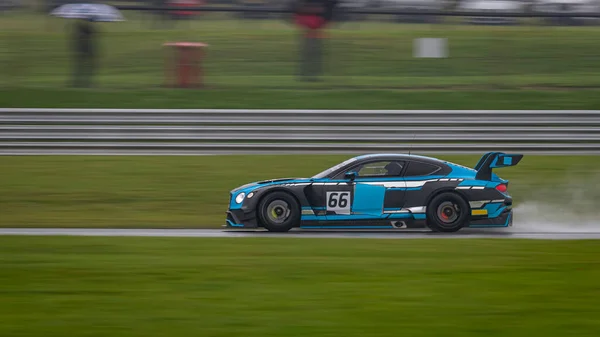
(364, 43)
(82, 169)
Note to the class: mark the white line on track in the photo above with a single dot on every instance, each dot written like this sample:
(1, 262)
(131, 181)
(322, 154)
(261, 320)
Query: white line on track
(227, 233)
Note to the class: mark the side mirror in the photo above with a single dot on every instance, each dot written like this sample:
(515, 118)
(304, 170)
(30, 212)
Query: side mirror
(350, 175)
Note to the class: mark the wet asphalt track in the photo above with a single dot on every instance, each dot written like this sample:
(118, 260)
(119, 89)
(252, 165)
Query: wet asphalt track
(505, 233)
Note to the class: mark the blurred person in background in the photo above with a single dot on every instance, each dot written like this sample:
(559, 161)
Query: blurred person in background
(184, 14)
(162, 17)
(312, 16)
(85, 52)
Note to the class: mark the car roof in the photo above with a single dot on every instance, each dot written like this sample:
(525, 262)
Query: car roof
(399, 156)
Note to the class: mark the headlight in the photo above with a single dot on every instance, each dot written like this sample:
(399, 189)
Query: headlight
(240, 197)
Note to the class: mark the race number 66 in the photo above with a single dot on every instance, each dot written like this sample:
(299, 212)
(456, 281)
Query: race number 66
(338, 202)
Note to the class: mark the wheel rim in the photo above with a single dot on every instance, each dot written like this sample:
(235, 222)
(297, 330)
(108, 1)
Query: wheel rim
(448, 212)
(278, 211)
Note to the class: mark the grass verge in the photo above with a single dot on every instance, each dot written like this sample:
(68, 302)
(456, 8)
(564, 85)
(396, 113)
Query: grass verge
(188, 192)
(301, 99)
(56, 286)
(264, 53)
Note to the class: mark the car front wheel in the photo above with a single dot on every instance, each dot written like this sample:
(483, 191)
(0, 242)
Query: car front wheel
(279, 212)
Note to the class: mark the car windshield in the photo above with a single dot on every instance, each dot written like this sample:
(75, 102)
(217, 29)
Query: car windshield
(334, 168)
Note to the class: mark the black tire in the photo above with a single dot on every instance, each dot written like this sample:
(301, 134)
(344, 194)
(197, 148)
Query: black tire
(447, 212)
(278, 212)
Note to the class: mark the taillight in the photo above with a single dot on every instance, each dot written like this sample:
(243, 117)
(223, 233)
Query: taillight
(502, 188)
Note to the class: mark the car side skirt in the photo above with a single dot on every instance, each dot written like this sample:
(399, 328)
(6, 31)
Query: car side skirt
(239, 219)
(365, 224)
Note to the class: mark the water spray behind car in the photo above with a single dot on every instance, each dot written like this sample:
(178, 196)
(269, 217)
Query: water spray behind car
(574, 208)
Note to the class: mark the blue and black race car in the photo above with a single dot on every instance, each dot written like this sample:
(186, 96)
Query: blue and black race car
(381, 191)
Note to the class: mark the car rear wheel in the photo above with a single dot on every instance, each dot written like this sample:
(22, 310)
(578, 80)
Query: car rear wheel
(447, 212)
(279, 212)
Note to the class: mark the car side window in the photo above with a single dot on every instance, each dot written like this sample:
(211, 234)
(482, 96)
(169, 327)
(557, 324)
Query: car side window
(416, 169)
(377, 169)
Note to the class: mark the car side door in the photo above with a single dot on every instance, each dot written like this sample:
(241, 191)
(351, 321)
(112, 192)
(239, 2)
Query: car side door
(331, 197)
(366, 191)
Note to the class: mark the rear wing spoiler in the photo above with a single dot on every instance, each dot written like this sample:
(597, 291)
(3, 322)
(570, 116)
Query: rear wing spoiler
(492, 160)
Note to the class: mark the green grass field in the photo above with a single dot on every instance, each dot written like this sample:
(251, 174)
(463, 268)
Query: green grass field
(57, 286)
(192, 192)
(263, 54)
(252, 64)
(300, 99)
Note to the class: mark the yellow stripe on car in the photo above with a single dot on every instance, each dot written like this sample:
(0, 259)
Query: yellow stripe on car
(479, 212)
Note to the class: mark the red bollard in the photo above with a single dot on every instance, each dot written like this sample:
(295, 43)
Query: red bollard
(187, 66)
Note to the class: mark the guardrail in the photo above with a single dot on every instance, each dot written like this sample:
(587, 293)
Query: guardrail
(200, 132)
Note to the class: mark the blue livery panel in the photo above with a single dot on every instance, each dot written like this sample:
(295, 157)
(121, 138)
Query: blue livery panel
(368, 200)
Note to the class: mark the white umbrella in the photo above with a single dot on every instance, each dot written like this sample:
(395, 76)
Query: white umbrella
(95, 12)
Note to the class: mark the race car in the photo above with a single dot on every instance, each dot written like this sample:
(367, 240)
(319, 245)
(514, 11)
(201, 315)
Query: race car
(381, 191)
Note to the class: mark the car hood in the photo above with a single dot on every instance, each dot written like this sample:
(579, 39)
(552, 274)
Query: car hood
(269, 182)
